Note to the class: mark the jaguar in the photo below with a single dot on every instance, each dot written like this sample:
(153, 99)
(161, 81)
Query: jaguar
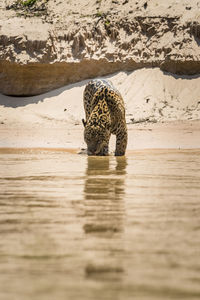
(104, 115)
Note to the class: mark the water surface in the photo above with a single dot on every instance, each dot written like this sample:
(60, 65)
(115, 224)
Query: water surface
(78, 227)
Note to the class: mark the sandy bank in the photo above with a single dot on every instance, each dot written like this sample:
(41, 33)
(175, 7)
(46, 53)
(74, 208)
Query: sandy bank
(175, 135)
(70, 41)
(162, 111)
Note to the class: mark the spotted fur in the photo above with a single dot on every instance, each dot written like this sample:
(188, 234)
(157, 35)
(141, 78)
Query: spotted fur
(105, 115)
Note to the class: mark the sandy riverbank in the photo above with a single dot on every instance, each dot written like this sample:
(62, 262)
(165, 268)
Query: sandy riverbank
(162, 111)
(173, 135)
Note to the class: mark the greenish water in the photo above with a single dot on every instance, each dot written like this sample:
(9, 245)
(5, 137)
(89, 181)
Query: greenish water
(78, 227)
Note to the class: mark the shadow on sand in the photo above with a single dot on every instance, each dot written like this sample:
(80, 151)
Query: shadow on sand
(14, 102)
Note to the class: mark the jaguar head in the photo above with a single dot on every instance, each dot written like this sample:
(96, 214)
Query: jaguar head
(97, 139)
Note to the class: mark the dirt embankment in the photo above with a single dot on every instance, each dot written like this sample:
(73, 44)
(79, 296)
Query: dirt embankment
(53, 43)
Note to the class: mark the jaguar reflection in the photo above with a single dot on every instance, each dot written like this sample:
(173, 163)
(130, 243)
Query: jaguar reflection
(104, 216)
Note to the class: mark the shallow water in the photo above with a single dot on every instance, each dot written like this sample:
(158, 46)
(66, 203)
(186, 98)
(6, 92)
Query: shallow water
(78, 227)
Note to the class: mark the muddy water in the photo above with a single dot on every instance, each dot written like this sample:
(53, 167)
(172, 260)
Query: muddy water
(78, 227)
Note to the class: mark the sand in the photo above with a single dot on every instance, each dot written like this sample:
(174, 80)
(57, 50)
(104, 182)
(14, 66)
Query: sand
(162, 111)
(78, 39)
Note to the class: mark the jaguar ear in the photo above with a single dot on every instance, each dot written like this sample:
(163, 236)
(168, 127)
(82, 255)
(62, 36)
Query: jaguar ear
(84, 122)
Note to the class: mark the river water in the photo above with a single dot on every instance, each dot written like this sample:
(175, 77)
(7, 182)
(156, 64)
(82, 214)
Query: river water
(78, 227)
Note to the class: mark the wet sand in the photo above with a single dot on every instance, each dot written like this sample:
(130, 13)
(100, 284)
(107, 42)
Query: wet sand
(175, 135)
(78, 227)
